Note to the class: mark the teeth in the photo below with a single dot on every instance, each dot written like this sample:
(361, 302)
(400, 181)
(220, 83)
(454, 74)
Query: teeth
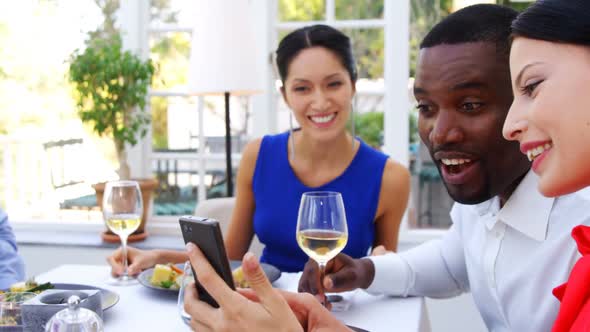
(535, 152)
(455, 161)
(323, 119)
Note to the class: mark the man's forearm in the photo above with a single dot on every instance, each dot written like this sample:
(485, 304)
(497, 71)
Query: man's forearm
(421, 271)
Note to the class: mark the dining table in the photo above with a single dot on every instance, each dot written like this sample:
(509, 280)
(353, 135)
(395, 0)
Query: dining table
(140, 308)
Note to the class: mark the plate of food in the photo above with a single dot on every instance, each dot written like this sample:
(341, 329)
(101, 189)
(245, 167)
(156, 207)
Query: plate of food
(272, 273)
(168, 277)
(165, 277)
(109, 298)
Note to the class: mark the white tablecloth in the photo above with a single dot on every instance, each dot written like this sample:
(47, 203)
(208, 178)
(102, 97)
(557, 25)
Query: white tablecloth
(144, 309)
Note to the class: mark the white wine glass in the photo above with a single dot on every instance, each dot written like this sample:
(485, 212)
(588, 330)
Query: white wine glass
(122, 207)
(322, 231)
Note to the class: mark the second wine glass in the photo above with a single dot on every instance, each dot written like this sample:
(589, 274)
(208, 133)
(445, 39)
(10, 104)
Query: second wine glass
(322, 230)
(122, 207)
(187, 278)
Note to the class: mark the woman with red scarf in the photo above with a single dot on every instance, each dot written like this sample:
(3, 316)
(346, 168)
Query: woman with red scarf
(550, 117)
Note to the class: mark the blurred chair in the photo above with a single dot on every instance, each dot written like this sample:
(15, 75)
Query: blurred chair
(218, 187)
(67, 177)
(221, 209)
(433, 203)
(428, 177)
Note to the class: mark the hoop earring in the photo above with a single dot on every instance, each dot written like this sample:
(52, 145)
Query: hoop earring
(291, 136)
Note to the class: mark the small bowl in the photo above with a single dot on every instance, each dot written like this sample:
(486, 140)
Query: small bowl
(10, 307)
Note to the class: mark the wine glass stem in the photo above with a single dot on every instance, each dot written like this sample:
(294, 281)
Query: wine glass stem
(125, 275)
(322, 292)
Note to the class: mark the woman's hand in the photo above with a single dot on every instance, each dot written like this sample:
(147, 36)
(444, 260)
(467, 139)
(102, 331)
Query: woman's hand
(138, 260)
(260, 308)
(379, 250)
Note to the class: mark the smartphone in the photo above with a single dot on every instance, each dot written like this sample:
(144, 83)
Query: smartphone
(206, 234)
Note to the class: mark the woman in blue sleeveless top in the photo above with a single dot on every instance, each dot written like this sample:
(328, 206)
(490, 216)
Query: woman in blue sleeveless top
(318, 72)
(277, 192)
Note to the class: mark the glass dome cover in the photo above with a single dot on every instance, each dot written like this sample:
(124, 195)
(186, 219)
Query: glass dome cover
(75, 319)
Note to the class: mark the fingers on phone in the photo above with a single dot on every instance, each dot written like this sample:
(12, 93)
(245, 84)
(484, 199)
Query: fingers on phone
(208, 277)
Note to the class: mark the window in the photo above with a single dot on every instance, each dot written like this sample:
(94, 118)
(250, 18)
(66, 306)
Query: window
(36, 109)
(187, 150)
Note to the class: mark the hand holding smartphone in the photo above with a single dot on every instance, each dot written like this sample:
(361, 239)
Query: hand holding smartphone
(206, 234)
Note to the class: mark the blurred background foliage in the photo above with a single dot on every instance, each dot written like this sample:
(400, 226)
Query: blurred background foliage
(369, 127)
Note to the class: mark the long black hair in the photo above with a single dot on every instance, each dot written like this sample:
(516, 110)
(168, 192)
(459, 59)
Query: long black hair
(311, 36)
(562, 21)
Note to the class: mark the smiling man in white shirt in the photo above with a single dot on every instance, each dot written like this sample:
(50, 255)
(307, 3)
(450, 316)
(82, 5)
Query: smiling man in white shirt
(508, 245)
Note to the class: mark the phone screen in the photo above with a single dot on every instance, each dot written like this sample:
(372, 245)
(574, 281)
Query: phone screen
(206, 234)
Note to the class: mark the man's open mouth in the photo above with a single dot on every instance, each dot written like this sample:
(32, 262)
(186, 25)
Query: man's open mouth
(456, 166)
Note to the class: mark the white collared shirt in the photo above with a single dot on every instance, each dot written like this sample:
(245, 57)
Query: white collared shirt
(510, 258)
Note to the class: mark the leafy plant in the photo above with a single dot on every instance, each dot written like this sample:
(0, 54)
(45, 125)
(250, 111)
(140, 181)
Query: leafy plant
(111, 87)
(369, 127)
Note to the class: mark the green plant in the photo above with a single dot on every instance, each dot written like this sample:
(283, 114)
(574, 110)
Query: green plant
(110, 88)
(369, 127)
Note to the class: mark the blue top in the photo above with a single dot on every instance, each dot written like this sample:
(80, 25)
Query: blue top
(12, 268)
(277, 193)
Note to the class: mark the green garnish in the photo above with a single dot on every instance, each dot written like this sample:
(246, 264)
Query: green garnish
(41, 287)
(15, 297)
(167, 283)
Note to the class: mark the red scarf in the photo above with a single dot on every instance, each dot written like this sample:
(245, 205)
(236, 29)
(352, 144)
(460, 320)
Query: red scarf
(574, 312)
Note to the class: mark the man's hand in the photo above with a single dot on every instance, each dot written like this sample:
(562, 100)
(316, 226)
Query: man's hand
(343, 273)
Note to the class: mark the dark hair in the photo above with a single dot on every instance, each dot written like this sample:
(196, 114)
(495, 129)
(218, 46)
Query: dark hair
(312, 36)
(477, 23)
(555, 21)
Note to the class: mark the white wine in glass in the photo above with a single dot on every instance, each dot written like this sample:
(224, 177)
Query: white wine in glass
(321, 245)
(322, 230)
(122, 207)
(124, 224)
